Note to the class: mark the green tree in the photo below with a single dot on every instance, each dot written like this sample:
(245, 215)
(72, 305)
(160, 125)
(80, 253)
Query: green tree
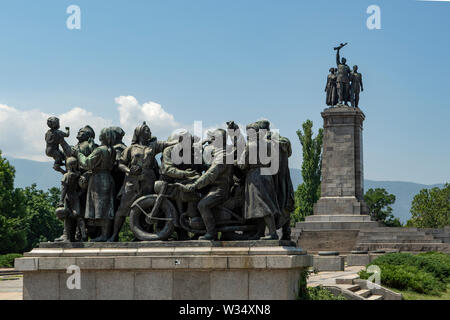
(308, 192)
(40, 221)
(379, 202)
(430, 208)
(12, 211)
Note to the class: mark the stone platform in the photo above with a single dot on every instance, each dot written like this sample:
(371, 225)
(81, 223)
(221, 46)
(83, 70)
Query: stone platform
(235, 270)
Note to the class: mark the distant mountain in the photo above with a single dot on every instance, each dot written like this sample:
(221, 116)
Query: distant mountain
(404, 192)
(42, 173)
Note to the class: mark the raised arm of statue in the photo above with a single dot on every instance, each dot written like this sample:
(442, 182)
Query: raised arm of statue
(338, 58)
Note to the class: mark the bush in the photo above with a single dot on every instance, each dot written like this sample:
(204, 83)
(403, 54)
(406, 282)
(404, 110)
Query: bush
(316, 293)
(7, 260)
(320, 293)
(426, 273)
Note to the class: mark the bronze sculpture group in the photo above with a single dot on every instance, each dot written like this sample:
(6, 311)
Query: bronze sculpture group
(343, 85)
(192, 199)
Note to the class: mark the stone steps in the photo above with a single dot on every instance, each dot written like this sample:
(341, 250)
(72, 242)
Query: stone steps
(406, 235)
(350, 225)
(371, 240)
(392, 230)
(365, 293)
(351, 287)
(375, 297)
(355, 289)
(409, 246)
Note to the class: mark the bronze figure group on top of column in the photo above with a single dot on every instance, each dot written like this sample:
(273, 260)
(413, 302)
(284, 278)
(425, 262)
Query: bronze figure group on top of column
(343, 85)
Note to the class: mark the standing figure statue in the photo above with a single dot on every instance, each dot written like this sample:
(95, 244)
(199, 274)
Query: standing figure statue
(356, 86)
(343, 77)
(260, 193)
(69, 207)
(331, 88)
(138, 164)
(118, 175)
(100, 191)
(55, 138)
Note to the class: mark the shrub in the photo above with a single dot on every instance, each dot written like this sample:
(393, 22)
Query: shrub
(7, 260)
(426, 273)
(320, 293)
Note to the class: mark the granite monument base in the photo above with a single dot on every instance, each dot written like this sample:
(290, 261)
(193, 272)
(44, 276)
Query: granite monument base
(244, 270)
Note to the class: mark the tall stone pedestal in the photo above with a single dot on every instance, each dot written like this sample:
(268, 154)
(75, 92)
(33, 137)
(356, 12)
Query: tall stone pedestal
(342, 187)
(245, 270)
(341, 206)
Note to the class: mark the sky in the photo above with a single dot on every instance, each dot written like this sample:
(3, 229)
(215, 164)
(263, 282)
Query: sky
(174, 62)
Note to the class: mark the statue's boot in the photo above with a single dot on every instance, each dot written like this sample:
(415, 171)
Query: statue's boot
(270, 223)
(118, 223)
(286, 231)
(82, 229)
(211, 232)
(105, 232)
(209, 237)
(66, 236)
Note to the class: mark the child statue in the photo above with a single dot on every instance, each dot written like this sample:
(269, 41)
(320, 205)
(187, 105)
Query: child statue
(69, 207)
(55, 138)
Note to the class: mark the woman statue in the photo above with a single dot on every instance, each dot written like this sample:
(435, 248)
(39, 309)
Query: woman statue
(260, 192)
(331, 88)
(100, 191)
(139, 165)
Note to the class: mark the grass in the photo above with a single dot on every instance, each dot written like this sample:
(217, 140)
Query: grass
(412, 295)
(424, 274)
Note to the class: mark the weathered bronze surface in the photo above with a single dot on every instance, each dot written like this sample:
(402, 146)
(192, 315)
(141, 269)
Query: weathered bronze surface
(205, 190)
(343, 85)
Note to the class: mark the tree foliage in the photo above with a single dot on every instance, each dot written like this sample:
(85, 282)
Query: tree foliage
(430, 208)
(26, 215)
(41, 223)
(12, 211)
(379, 202)
(308, 192)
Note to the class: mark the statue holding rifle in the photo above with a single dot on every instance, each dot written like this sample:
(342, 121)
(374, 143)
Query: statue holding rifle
(343, 76)
(343, 84)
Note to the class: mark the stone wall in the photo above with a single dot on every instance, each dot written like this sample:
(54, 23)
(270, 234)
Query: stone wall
(143, 273)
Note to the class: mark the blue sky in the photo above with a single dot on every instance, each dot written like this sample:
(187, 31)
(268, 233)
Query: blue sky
(240, 60)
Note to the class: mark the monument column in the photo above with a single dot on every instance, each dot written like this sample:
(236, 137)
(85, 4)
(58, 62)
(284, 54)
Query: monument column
(342, 187)
(341, 212)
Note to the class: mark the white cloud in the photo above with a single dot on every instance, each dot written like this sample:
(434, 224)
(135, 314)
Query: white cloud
(22, 132)
(132, 114)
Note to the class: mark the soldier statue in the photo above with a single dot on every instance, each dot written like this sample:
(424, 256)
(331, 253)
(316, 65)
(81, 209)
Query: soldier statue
(356, 86)
(343, 77)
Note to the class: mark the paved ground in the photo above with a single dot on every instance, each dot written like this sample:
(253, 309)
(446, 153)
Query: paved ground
(329, 277)
(10, 287)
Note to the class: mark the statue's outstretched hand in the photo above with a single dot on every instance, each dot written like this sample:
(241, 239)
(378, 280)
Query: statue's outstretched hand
(186, 187)
(190, 173)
